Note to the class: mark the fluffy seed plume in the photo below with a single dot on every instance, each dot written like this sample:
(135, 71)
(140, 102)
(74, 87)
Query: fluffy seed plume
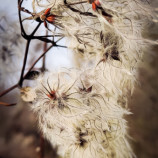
(75, 116)
(82, 112)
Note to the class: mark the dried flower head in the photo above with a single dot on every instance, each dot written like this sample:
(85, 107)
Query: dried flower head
(75, 115)
(28, 94)
(82, 112)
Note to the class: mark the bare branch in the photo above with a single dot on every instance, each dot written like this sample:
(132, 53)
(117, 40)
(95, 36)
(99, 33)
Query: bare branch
(78, 11)
(8, 90)
(7, 104)
(43, 68)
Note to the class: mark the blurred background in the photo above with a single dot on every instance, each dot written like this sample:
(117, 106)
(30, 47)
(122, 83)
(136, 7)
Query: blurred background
(19, 134)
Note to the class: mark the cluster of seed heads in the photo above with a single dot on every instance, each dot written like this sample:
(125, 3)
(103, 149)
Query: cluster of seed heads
(81, 111)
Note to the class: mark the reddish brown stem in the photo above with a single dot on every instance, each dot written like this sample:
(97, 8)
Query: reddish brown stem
(16, 85)
(28, 38)
(8, 90)
(38, 59)
(7, 104)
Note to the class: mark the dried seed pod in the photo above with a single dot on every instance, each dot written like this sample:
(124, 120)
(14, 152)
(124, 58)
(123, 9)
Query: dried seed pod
(28, 94)
(32, 75)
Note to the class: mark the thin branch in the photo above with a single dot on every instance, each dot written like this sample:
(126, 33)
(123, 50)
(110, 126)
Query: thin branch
(59, 39)
(43, 39)
(7, 104)
(29, 38)
(8, 90)
(61, 46)
(43, 68)
(34, 31)
(26, 11)
(24, 63)
(38, 60)
(78, 11)
(36, 37)
(23, 33)
(16, 85)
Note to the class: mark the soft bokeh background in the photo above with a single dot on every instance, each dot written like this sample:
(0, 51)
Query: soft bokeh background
(19, 136)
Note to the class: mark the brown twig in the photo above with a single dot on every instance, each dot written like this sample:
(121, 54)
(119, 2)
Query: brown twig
(78, 11)
(8, 90)
(7, 104)
(23, 33)
(24, 63)
(36, 61)
(39, 59)
(16, 85)
(43, 68)
(29, 38)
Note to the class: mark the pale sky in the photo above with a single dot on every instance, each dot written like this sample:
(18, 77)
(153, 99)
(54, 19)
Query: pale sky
(59, 56)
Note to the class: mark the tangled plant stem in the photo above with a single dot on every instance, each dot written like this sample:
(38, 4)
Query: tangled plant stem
(29, 38)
